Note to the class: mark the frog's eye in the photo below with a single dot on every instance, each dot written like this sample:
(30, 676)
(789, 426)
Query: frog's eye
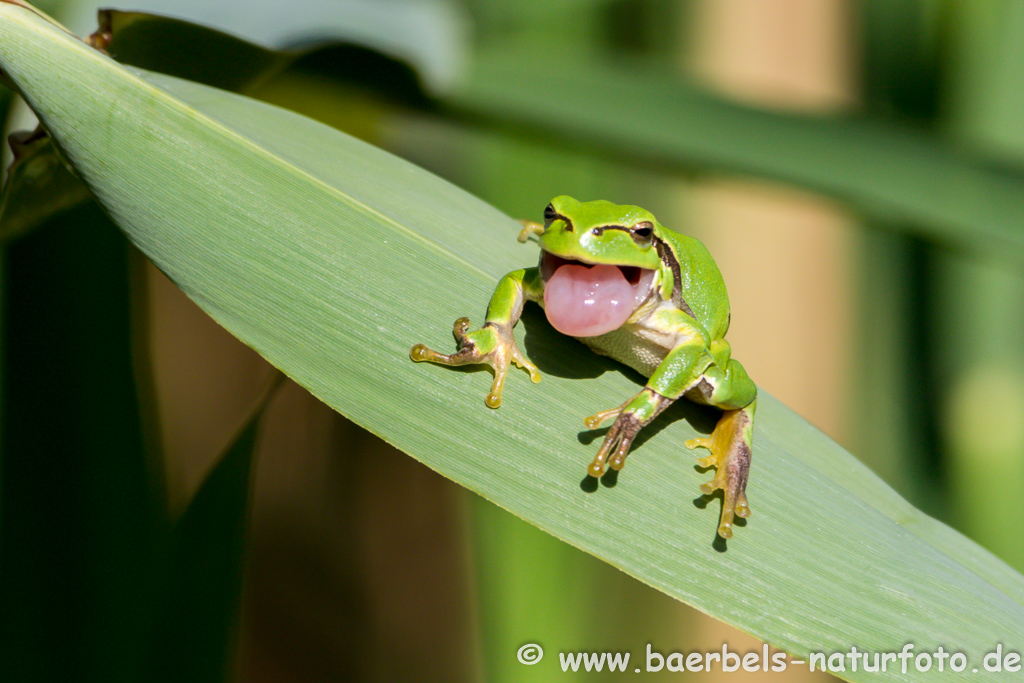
(597, 232)
(549, 215)
(643, 233)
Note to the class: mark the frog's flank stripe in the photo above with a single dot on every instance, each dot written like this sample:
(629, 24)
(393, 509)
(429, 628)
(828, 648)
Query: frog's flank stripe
(670, 260)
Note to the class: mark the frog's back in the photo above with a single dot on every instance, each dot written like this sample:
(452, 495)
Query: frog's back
(700, 283)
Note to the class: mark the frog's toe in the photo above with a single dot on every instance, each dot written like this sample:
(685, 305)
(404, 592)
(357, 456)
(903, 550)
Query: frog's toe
(710, 460)
(493, 399)
(741, 507)
(459, 329)
(717, 483)
(522, 361)
(421, 352)
(530, 229)
(725, 525)
(598, 419)
(699, 443)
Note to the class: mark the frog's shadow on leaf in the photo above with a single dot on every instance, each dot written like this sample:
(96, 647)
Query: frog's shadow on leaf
(556, 354)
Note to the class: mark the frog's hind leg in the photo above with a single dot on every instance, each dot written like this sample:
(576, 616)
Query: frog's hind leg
(730, 442)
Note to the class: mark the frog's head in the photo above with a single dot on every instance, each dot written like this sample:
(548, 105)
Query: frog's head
(599, 262)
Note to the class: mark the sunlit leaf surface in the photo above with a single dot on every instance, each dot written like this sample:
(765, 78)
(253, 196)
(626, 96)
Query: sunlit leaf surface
(331, 258)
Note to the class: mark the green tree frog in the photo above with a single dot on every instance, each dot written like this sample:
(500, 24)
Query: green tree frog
(629, 288)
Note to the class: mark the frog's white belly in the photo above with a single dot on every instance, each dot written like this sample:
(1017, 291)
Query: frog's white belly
(637, 345)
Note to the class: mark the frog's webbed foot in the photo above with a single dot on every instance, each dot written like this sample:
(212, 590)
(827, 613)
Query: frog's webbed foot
(630, 418)
(492, 344)
(616, 445)
(729, 444)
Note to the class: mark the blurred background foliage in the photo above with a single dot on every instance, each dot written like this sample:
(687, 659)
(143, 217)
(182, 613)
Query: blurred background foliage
(883, 306)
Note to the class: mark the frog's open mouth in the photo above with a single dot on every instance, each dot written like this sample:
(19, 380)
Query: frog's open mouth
(584, 299)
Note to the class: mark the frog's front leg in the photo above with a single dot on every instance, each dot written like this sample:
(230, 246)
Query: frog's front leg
(630, 418)
(680, 370)
(493, 343)
(691, 368)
